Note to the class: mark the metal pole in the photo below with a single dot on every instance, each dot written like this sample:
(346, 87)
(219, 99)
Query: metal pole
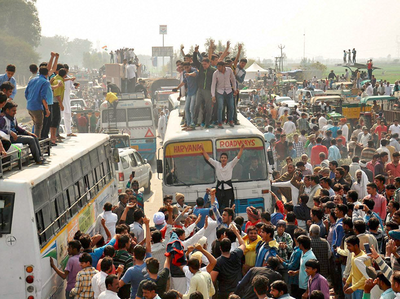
(163, 50)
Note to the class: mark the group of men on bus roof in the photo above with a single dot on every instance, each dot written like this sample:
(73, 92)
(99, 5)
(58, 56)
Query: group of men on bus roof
(211, 87)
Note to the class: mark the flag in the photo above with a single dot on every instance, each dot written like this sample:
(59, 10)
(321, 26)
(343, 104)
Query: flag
(104, 48)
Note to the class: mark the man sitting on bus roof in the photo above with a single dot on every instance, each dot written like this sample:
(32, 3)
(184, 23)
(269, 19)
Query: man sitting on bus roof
(9, 125)
(223, 171)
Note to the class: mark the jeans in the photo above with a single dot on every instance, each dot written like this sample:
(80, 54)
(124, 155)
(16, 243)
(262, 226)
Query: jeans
(226, 198)
(33, 144)
(204, 106)
(37, 118)
(346, 296)
(370, 74)
(358, 294)
(190, 103)
(46, 124)
(221, 98)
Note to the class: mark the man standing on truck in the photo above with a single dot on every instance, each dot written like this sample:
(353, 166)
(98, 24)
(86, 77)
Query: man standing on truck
(224, 170)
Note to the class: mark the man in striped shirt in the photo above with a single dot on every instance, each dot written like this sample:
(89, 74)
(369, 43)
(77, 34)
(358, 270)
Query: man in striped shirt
(83, 285)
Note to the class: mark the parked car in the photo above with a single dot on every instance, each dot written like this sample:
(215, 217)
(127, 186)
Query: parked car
(131, 161)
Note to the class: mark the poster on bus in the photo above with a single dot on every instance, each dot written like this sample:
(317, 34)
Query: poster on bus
(192, 148)
(254, 143)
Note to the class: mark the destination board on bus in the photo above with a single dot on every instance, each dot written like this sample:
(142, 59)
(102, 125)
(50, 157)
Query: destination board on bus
(234, 144)
(187, 148)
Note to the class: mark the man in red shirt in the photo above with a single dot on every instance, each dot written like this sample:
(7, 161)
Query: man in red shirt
(318, 148)
(380, 129)
(281, 148)
(393, 168)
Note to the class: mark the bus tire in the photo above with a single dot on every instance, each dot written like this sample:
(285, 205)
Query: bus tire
(147, 189)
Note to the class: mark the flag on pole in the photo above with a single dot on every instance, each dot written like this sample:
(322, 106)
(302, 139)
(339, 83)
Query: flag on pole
(104, 48)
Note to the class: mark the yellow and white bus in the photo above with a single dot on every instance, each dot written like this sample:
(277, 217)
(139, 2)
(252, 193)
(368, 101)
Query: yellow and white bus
(42, 207)
(186, 171)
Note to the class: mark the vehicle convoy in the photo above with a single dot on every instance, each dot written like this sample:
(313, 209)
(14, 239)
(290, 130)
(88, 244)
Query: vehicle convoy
(161, 89)
(186, 171)
(41, 209)
(131, 114)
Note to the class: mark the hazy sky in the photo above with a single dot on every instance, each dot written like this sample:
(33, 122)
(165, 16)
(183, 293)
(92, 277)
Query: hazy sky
(330, 26)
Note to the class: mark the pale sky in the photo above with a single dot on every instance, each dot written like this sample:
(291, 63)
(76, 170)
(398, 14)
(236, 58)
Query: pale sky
(330, 26)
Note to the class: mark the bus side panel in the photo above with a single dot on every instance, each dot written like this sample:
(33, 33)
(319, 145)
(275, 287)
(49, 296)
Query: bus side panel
(20, 248)
(84, 221)
(146, 147)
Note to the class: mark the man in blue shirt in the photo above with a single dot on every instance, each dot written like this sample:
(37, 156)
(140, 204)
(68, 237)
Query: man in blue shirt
(36, 96)
(199, 209)
(8, 76)
(305, 246)
(190, 75)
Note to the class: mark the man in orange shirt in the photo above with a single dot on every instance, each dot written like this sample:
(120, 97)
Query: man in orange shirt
(393, 168)
(318, 148)
(380, 129)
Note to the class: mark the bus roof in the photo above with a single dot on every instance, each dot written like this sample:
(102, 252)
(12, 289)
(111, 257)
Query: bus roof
(64, 154)
(175, 133)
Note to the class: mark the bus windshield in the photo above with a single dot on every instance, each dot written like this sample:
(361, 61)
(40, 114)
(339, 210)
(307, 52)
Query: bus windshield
(252, 164)
(185, 164)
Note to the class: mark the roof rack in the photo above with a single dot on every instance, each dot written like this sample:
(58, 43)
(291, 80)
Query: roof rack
(20, 156)
(139, 95)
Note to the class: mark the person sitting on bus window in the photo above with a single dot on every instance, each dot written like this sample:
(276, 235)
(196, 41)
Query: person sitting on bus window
(223, 171)
(9, 126)
(254, 171)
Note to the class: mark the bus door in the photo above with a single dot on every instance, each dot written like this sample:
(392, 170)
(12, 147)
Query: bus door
(250, 173)
(186, 168)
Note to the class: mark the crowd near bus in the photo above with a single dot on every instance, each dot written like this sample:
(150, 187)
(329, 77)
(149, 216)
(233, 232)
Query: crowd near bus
(331, 230)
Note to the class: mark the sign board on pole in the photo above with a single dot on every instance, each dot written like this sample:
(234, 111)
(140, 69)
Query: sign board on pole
(163, 29)
(162, 51)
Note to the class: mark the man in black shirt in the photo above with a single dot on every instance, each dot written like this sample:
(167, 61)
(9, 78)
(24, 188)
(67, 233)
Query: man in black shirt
(204, 104)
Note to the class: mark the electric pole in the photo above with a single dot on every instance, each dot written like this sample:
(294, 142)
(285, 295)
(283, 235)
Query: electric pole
(281, 58)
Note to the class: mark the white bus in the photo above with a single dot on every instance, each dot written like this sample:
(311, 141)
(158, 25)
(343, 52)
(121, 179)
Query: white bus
(42, 207)
(186, 171)
(132, 115)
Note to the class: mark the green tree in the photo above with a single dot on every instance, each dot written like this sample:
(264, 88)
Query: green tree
(95, 60)
(56, 44)
(20, 19)
(19, 53)
(234, 51)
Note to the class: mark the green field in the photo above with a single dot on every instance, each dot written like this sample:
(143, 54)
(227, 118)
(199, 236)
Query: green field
(389, 72)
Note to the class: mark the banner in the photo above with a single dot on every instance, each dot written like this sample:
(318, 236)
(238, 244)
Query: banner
(235, 144)
(187, 149)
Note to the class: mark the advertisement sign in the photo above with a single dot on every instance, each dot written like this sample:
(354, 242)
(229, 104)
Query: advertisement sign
(163, 29)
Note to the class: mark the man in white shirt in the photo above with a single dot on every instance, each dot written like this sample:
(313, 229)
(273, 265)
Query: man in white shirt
(388, 89)
(364, 137)
(161, 126)
(112, 285)
(137, 226)
(66, 114)
(111, 221)
(393, 141)
(345, 128)
(99, 279)
(369, 90)
(395, 128)
(131, 76)
(322, 122)
(223, 171)
(289, 127)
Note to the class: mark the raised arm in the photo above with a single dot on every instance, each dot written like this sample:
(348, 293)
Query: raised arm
(203, 151)
(50, 63)
(146, 222)
(196, 62)
(182, 52)
(241, 151)
(212, 260)
(103, 224)
(237, 55)
(226, 52)
(242, 245)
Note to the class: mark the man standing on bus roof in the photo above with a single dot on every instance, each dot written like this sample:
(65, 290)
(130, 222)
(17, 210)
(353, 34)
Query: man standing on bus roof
(224, 170)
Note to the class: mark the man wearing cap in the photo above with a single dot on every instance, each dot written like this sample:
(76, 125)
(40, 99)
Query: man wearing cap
(284, 240)
(180, 202)
(253, 216)
(223, 171)
(395, 236)
(159, 220)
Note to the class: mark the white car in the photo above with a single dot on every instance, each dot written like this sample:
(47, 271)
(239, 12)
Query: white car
(309, 93)
(286, 101)
(131, 161)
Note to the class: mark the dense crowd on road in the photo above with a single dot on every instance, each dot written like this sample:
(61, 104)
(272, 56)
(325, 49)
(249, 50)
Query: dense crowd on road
(335, 190)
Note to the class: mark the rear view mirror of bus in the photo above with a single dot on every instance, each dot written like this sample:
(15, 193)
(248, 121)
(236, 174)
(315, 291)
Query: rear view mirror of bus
(159, 166)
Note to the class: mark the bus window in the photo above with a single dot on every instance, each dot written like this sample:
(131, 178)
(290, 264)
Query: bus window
(6, 212)
(94, 159)
(252, 165)
(121, 116)
(76, 170)
(139, 114)
(40, 195)
(54, 185)
(185, 165)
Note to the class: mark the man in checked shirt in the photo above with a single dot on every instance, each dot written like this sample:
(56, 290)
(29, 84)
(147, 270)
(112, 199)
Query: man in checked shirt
(83, 285)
